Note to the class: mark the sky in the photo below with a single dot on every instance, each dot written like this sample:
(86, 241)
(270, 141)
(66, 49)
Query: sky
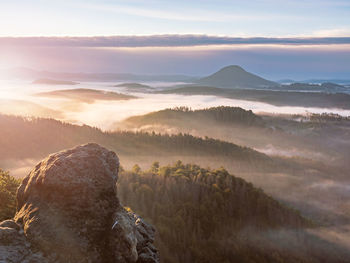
(278, 18)
(274, 38)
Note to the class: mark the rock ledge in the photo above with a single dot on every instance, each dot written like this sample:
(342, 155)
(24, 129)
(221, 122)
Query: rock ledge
(68, 211)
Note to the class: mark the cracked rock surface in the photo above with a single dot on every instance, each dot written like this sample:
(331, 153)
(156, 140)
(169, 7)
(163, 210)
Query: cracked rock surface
(68, 211)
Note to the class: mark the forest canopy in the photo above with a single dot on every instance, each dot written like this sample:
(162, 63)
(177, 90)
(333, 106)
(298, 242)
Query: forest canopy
(200, 212)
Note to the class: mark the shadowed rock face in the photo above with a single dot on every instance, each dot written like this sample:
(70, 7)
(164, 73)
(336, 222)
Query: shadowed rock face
(68, 211)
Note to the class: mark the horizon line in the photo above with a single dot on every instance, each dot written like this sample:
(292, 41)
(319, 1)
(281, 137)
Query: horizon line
(165, 40)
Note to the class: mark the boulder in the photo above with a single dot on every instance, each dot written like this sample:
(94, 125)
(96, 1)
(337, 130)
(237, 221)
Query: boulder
(14, 247)
(68, 211)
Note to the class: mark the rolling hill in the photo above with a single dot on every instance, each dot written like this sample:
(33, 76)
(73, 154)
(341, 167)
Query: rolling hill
(274, 97)
(134, 87)
(290, 135)
(37, 137)
(186, 117)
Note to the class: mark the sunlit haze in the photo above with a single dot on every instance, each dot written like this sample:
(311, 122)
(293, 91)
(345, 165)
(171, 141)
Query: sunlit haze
(158, 131)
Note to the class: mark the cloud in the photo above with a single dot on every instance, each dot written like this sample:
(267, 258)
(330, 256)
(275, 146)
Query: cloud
(334, 32)
(178, 13)
(165, 41)
(193, 16)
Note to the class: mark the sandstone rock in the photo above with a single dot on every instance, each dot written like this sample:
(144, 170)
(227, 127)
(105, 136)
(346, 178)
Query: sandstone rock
(68, 211)
(14, 247)
(135, 235)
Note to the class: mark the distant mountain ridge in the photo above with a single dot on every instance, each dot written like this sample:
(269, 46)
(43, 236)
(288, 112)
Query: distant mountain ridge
(276, 97)
(133, 85)
(54, 82)
(27, 73)
(86, 95)
(31, 74)
(235, 77)
(319, 81)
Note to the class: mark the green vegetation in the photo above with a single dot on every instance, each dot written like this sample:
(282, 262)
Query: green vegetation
(199, 212)
(8, 187)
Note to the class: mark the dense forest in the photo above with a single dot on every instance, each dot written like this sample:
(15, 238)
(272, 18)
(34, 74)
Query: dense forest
(220, 115)
(205, 215)
(36, 137)
(313, 136)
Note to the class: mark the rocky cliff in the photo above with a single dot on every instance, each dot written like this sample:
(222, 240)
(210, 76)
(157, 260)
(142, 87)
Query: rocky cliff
(68, 211)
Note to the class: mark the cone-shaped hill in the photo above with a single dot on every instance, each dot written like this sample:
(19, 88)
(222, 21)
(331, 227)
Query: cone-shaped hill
(235, 77)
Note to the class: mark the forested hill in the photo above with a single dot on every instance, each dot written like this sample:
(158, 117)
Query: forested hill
(36, 137)
(204, 215)
(183, 116)
(274, 97)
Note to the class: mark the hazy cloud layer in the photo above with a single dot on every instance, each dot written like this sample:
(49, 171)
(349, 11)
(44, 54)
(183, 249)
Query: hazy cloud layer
(198, 55)
(163, 41)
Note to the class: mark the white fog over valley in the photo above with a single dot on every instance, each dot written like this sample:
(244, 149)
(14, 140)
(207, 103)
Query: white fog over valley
(18, 97)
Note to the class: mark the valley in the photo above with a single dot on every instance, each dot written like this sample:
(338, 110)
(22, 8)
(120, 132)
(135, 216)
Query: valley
(279, 153)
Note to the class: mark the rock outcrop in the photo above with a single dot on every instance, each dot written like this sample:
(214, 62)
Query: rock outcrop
(68, 211)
